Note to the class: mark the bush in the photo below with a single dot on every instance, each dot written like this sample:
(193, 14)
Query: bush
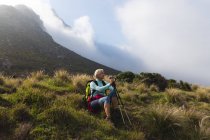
(1, 81)
(6, 89)
(21, 113)
(22, 132)
(34, 98)
(142, 88)
(59, 116)
(175, 96)
(44, 132)
(4, 102)
(161, 123)
(181, 85)
(153, 79)
(39, 75)
(195, 87)
(185, 86)
(202, 95)
(172, 83)
(39, 101)
(154, 88)
(167, 122)
(6, 122)
(62, 75)
(126, 76)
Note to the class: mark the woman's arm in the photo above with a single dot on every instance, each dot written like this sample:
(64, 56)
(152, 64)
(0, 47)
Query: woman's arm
(110, 87)
(102, 88)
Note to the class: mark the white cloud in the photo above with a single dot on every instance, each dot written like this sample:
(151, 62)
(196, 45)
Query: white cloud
(83, 29)
(171, 37)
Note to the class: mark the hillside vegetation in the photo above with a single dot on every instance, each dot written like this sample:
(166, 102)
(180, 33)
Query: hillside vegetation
(50, 107)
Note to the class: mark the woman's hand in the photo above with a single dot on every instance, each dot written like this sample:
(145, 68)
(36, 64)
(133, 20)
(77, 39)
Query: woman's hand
(112, 80)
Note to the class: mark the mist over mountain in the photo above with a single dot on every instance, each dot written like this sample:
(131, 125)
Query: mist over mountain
(26, 47)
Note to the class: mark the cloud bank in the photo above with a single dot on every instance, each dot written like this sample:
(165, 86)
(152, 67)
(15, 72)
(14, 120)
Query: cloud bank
(170, 37)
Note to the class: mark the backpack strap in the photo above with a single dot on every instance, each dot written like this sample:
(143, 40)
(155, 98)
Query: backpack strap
(94, 89)
(97, 85)
(103, 83)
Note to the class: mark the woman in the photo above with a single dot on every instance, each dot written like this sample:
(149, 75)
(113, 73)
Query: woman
(101, 89)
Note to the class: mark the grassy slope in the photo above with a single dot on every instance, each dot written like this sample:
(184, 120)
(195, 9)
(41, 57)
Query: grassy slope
(44, 107)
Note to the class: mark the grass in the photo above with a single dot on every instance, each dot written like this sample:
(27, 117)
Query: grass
(51, 107)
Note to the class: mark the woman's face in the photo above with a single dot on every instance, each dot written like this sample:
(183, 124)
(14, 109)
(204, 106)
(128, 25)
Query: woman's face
(101, 75)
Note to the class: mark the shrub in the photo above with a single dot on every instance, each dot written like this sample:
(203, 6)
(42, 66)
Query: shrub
(6, 122)
(185, 86)
(1, 80)
(21, 113)
(172, 83)
(36, 99)
(13, 82)
(62, 75)
(202, 95)
(22, 132)
(142, 88)
(153, 79)
(175, 96)
(195, 87)
(59, 116)
(124, 87)
(4, 102)
(44, 132)
(39, 101)
(162, 123)
(39, 75)
(7, 89)
(168, 122)
(126, 77)
(154, 88)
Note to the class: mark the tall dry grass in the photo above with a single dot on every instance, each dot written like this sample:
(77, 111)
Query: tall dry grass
(203, 94)
(175, 96)
(79, 82)
(62, 75)
(169, 122)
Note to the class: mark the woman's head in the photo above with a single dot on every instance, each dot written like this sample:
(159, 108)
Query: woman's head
(99, 74)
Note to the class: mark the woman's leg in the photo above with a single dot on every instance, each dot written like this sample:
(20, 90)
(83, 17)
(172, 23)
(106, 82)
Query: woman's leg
(113, 98)
(107, 110)
(114, 102)
(95, 105)
(106, 101)
(103, 102)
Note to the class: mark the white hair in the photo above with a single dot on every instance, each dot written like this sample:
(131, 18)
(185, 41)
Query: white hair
(98, 71)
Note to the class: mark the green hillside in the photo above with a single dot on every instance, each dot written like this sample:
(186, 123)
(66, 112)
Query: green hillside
(50, 107)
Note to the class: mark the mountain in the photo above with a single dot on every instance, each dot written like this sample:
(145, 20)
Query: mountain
(26, 47)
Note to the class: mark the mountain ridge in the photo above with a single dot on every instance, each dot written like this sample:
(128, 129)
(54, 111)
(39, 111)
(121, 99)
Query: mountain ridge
(26, 47)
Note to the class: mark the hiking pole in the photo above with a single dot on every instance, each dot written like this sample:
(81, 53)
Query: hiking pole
(121, 106)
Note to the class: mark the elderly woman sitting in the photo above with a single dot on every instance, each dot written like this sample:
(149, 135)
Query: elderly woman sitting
(100, 89)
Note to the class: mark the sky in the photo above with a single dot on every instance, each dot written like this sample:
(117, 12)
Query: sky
(170, 37)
